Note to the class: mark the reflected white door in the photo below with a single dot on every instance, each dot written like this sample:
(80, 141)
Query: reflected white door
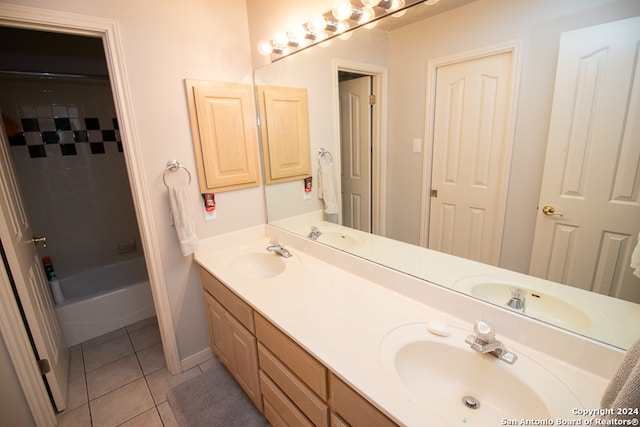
(592, 174)
(30, 281)
(355, 128)
(471, 156)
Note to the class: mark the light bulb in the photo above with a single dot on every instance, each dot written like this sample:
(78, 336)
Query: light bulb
(265, 47)
(298, 34)
(342, 27)
(281, 40)
(318, 24)
(367, 15)
(342, 9)
(397, 4)
(370, 3)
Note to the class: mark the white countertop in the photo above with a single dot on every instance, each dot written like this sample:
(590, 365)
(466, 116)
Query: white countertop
(611, 320)
(342, 318)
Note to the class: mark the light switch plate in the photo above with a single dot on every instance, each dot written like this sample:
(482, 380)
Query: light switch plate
(417, 145)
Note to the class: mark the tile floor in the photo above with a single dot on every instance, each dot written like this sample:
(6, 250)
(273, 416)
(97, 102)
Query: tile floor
(121, 379)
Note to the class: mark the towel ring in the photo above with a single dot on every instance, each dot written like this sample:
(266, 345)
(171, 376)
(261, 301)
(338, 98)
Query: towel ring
(173, 166)
(322, 152)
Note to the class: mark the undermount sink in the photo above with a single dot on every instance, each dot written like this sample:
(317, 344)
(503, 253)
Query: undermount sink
(462, 386)
(539, 305)
(257, 265)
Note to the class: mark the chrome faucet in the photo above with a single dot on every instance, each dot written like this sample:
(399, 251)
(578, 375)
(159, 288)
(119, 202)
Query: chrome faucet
(517, 301)
(484, 341)
(315, 233)
(275, 246)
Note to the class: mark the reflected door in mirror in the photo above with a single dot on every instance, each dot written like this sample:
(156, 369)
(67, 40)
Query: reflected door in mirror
(284, 124)
(592, 172)
(355, 141)
(471, 156)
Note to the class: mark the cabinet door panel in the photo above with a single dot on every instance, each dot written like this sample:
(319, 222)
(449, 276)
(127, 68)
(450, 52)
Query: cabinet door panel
(245, 359)
(224, 133)
(218, 330)
(284, 122)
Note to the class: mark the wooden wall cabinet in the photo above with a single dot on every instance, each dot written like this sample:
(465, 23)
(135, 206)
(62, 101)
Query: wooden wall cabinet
(224, 133)
(284, 127)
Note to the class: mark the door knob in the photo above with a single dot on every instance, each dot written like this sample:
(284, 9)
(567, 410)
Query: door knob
(40, 239)
(550, 210)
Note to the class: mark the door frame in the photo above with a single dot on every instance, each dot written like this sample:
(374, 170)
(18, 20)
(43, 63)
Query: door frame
(511, 46)
(108, 30)
(378, 136)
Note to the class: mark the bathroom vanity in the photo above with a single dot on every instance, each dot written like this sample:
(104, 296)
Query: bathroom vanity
(326, 338)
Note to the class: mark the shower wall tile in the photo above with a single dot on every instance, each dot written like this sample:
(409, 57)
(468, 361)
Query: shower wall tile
(80, 200)
(30, 124)
(59, 111)
(62, 122)
(47, 124)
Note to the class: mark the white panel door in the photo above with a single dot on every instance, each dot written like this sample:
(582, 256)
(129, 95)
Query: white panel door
(471, 154)
(32, 286)
(592, 174)
(355, 117)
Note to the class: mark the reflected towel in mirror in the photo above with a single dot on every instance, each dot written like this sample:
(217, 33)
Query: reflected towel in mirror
(327, 189)
(183, 218)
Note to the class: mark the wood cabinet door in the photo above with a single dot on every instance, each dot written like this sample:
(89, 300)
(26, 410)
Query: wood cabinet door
(218, 331)
(245, 359)
(284, 126)
(224, 133)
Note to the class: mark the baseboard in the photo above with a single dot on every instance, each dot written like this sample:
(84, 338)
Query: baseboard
(196, 359)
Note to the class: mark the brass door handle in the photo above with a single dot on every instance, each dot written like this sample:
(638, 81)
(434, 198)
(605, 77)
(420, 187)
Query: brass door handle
(550, 211)
(41, 239)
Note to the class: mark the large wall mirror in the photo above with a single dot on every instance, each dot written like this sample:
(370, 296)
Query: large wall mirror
(527, 202)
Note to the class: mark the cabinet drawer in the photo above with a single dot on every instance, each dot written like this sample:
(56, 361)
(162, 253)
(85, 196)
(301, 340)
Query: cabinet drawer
(353, 408)
(278, 408)
(310, 404)
(234, 305)
(301, 363)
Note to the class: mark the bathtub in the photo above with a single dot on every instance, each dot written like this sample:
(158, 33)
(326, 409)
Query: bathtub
(104, 299)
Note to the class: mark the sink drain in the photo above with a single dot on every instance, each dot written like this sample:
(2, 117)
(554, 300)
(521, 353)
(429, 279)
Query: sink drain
(471, 402)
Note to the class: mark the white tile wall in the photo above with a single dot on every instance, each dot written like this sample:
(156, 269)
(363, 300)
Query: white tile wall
(81, 202)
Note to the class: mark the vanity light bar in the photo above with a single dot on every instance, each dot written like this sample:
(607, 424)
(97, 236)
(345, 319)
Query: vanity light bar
(344, 16)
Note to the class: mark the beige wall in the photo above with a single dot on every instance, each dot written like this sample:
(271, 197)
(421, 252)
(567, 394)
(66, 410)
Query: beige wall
(163, 43)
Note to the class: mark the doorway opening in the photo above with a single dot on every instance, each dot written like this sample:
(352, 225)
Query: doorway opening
(362, 146)
(62, 133)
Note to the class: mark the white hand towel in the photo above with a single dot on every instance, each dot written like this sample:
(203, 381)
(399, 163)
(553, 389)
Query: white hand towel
(183, 218)
(624, 389)
(635, 258)
(327, 191)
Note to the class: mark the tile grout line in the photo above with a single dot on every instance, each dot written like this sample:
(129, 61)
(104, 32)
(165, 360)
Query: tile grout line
(135, 352)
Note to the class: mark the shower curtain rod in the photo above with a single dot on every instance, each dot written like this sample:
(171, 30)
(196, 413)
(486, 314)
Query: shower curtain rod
(52, 75)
